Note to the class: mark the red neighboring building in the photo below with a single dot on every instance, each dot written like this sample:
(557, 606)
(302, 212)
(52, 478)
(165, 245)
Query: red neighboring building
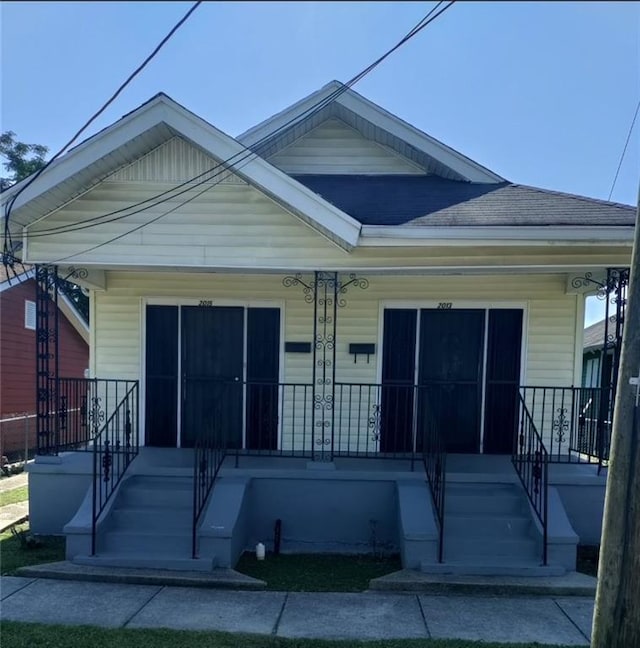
(18, 355)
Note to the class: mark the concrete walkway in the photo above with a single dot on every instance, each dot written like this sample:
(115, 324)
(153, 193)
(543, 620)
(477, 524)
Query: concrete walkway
(13, 513)
(370, 615)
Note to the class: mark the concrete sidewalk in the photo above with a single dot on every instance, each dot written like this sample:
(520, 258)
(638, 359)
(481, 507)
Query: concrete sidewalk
(370, 615)
(13, 513)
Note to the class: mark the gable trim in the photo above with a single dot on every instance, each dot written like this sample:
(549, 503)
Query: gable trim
(308, 206)
(381, 118)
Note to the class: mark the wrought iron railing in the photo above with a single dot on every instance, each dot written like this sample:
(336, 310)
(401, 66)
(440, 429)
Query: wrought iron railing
(434, 457)
(82, 405)
(574, 422)
(531, 461)
(114, 447)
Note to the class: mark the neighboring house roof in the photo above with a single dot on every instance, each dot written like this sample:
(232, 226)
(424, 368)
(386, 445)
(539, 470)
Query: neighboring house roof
(10, 279)
(594, 335)
(429, 200)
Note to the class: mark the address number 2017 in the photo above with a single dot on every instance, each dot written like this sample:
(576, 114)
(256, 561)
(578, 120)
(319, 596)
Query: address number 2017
(445, 305)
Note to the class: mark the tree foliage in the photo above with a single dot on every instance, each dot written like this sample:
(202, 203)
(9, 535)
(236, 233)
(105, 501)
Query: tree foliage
(21, 159)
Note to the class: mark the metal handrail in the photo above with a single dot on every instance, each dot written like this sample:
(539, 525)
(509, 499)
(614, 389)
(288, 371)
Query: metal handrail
(115, 446)
(531, 462)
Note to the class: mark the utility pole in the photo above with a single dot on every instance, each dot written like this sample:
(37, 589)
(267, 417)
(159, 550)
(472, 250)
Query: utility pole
(616, 620)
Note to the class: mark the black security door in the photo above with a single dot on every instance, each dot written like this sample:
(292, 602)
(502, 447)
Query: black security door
(212, 358)
(503, 378)
(161, 384)
(450, 375)
(398, 376)
(263, 368)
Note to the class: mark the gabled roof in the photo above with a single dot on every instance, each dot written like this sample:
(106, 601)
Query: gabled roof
(146, 128)
(423, 201)
(373, 122)
(593, 337)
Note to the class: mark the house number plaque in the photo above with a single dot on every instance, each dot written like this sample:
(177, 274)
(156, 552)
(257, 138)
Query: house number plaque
(445, 305)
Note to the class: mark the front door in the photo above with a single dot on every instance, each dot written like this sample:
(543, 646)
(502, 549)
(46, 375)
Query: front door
(450, 375)
(196, 358)
(212, 385)
(442, 352)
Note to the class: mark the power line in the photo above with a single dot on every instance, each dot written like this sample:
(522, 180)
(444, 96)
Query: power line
(113, 97)
(231, 162)
(624, 150)
(245, 153)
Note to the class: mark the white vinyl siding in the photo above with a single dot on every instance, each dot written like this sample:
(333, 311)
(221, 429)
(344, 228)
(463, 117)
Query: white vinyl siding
(334, 147)
(549, 326)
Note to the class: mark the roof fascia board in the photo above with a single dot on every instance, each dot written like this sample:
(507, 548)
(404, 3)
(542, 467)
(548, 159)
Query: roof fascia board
(16, 281)
(273, 123)
(399, 236)
(105, 142)
(380, 117)
(263, 175)
(68, 309)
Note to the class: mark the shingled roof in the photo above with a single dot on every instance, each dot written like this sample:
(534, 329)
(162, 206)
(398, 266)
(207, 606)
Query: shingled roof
(431, 201)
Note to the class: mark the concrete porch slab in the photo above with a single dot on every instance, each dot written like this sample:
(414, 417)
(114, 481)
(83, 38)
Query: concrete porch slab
(195, 609)
(499, 619)
(409, 580)
(98, 604)
(215, 579)
(351, 616)
(11, 584)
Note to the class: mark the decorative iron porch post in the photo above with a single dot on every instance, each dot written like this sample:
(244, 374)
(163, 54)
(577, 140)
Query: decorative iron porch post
(47, 368)
(324, 292)
(614, 293)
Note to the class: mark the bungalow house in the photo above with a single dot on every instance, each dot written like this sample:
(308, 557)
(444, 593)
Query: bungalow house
(17, 356)
(333, 333)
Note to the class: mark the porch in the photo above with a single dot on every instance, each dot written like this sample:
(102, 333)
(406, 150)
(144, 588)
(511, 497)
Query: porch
(333, 488)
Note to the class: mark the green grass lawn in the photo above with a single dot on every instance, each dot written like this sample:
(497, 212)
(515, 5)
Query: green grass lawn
(31, 635)
(317, 572)
(14, 495)
(14, 555)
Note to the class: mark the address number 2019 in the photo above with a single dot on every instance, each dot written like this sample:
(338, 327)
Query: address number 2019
(205, 302)
(445, 305)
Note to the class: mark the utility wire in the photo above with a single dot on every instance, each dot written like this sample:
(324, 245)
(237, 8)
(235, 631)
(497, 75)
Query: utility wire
(624, 150)
(113, 97)
(235, 160)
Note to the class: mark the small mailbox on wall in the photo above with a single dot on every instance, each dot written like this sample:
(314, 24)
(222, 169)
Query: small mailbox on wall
(362, 349)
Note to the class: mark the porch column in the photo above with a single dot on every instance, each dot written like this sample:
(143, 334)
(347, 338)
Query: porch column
(47, 326)
(326, 292)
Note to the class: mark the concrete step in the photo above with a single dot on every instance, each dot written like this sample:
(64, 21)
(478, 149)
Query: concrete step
(149, 519)
(471, 568)
(481, 488)
(475, 550)
(153, 497)
(139, 543)
(160, 483)
(507, 503)
(158, 561)
(484, 526)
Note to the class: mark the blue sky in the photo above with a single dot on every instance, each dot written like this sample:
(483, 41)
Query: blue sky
(542, 93)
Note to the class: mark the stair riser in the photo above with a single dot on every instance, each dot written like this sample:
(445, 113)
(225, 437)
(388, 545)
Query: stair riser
(145, 544)
(492, 570)
(507, 528)
(142, 498)
(147, 520)
(503, 505)
(469, 551)
(174, 564)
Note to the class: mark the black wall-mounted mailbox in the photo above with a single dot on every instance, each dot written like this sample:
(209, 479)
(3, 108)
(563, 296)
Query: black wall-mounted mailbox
(297, 347)
(361, 349)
